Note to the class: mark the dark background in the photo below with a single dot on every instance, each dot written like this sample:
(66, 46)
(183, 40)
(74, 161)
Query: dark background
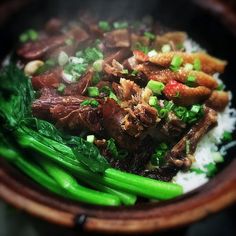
(212, 23)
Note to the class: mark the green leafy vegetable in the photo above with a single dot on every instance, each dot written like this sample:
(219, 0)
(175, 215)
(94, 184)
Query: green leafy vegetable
(120, 24)
(104, 25)
(227, 136)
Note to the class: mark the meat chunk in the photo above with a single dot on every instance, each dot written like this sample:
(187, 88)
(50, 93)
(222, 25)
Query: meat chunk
(83, 118)
(172, 126)
(55, 107)
(172, 38)
(81, 86)
(53, 26)
(113, 118)
(117, 39)
(184, 95)
(218, 100)
(209, 64)
(177, 155)
(36, 50)
(156, 73)
(49, 79)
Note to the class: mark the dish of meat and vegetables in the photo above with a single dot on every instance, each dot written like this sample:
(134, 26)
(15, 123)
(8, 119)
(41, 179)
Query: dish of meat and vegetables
(113, 113)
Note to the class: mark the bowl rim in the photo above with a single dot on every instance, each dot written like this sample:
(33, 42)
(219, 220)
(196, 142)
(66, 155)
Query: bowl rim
(212, 197)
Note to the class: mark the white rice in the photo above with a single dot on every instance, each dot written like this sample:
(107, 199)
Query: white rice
(209, 143)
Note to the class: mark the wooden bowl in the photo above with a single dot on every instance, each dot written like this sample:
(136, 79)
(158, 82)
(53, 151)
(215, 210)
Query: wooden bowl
(220, 192)
(20, 192)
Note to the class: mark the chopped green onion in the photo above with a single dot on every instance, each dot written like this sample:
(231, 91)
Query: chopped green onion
(62, 58)
(163, 113)
(187, 147)
(211, 169)
(220, 87)
(33, 35)
(69, 41)
(188, 66)
(120, 25)
(90, 138)
(227, 136)
(149, 35)
(217, 157)
(96, 78)
(142, 47)
(93, 91)
(176, 62)
(155, 86)
(134, 72)
(104, 25)
(113, 96)
(163, 146)
(153, 101)
(152, 53)
(92, 54)
(97, 65)
(196, 108)
(92, 103)
(24, 38)
(125, 72)
(197, 64)
(166, 48)
(61, 88)
(190, 80)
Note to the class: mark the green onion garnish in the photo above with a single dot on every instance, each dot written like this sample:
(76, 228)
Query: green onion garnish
(188, 66)
(220, 87)
(33, 35)
(155, 86)
(113, 96)
(93, 91)
(149, 35)
(153, 101)
(187, 147)
(97, 65)
(125, 72)
(104, 25)
(96, 78)
(92, 103)
(120, 25)
(141, 47)
(196, 108)
(227, 136)
(90, 138)
(24, 38)
(62, 58)
(163, 113)
(197, 64)
(61, 88)
(190, 80)
(176, 62)
(166, 48)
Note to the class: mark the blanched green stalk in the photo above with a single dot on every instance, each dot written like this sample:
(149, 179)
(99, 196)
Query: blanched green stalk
(68, 183)
(32, 170)
(145, 186)
(98, 182)
(130, 183)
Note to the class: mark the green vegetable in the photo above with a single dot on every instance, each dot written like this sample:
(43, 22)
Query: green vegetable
(176, 62)
(62, 58)
(197, 64)
(155, 86)
(188, 66)
(92, 54)
(69, 41)
(166, 48)
(158, 157)
(96, 78)
(211, 169)
(28, 35)
(227, 136)
(97, 65)
(90, 138)
(149, 35)
(220, 87)
(163, 113)
(190, 81)
(92, 103)
(125, 72)
(217, 157)
(49, 64)
(61, 88)
(143, 186)
(112, 148)
(120, 25)
(153, 101)
(187, 147)
(138, 46)
(93, 91)
(104, 25)
(69, 184)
